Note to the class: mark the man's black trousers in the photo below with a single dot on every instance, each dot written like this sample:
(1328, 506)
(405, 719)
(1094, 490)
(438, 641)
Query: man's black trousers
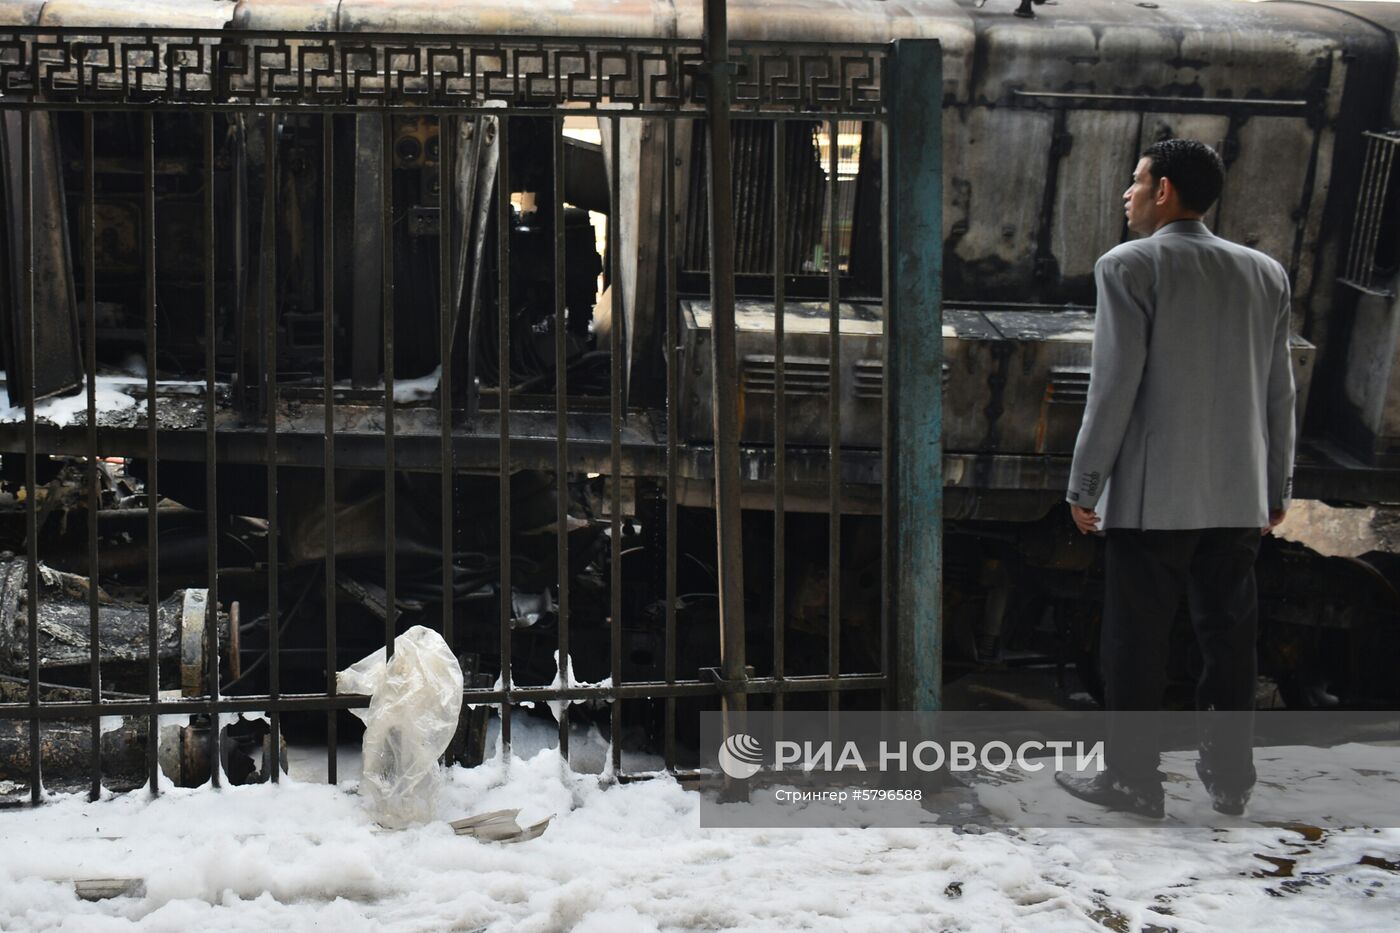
(1147, 574)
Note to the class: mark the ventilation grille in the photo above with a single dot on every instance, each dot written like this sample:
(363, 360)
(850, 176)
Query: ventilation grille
(870, 379)
(802, 375)
(1372, 255)
(1067, 386)
(810, 375)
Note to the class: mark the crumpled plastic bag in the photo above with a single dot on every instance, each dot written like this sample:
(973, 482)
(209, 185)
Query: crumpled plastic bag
(415, 700)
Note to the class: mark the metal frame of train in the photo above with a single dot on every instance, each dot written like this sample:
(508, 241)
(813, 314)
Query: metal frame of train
(571, 254)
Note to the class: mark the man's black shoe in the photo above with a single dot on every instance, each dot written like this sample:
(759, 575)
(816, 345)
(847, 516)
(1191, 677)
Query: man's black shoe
(1107, 791)
(1228, 802)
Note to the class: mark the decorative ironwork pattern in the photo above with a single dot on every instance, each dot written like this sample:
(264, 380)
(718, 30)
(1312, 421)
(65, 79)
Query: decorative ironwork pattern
(77, 67)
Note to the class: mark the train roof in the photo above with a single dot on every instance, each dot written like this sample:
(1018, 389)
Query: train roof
(146, 14)
(788, 20)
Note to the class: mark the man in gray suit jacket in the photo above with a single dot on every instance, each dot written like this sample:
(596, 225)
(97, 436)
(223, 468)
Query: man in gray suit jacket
(1184, 456)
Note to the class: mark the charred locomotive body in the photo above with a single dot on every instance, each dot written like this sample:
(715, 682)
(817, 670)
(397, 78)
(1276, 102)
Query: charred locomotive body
(535, 289)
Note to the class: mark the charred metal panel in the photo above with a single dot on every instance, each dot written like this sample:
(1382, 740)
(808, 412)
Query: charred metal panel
(807, 377)
(1189, 48)
(1015, 382)
(993, 246)
(1041, 400)
(1372, 384)
(1023, 374)
(1262, 204)
(57, 368)
(1102, 150)
(1207, 70)
(968, 339)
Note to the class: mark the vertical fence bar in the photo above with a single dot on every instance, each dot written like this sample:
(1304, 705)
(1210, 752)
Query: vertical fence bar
(211, 489)
(148, 249)
(724, 365)
(503, 394)
(269, 305)
(445, 311)
(913, 213)
(619, 366)
(833, 150)
(328, 404)
(670, 309)
(89, 233)
(889, 577)
(242, 382)
(31, 466)
(391, 546)
(561, 431)
(780, 211)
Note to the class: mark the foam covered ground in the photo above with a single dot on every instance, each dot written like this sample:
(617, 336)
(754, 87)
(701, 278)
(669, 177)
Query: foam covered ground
(632, 857)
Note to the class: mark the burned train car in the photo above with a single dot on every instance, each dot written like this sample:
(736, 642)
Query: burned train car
(400, 314)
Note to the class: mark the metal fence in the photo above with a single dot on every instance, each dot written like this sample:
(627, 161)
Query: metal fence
(251, 422)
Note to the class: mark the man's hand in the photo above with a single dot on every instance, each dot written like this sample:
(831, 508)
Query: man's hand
(1275, 519)
(1087, 520)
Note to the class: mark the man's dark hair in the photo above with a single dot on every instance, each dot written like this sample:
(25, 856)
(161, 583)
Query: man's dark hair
(1194, 168)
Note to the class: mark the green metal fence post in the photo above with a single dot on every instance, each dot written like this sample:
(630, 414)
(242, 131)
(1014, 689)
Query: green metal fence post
(913, 183)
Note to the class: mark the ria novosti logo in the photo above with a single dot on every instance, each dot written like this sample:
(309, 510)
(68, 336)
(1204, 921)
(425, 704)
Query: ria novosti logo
(741, 756)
